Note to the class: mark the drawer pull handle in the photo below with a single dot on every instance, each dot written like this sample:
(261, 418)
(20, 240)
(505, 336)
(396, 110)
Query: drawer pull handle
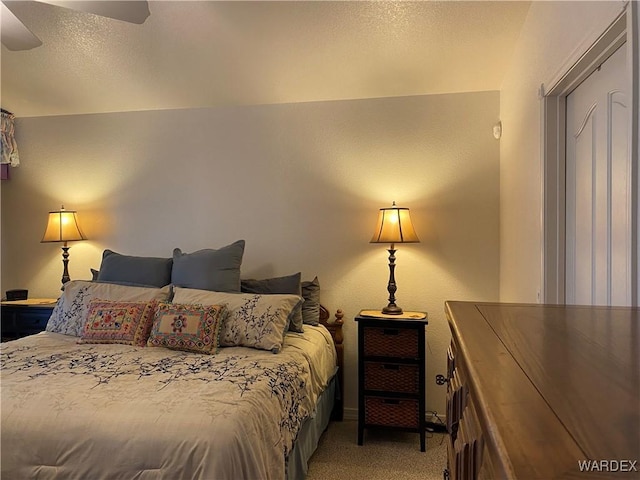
(389, 401)
(391, 331)
(391, 367)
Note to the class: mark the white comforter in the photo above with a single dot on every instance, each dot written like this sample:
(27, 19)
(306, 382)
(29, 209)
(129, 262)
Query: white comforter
(116, 411)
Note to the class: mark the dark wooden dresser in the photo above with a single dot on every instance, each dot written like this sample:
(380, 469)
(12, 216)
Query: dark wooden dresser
(543, 391)
(391, 373)
(24, 317)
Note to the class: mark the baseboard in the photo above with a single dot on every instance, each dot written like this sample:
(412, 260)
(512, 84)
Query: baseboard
(350, 414)
(435, 422)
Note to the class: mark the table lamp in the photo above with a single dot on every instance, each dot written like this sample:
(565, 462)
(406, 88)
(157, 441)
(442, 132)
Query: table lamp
(63, 227)
(394, 226)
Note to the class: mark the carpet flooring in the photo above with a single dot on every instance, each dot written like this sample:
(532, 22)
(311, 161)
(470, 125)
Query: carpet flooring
(385, 455)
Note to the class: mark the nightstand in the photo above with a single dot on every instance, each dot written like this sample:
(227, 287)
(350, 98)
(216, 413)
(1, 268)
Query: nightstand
(391, 372)
(25, 317)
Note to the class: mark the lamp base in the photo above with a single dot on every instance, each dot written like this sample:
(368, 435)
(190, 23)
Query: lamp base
(392, 309)
(65, 263)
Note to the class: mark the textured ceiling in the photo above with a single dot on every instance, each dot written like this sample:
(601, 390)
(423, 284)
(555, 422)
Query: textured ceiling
(205, 53)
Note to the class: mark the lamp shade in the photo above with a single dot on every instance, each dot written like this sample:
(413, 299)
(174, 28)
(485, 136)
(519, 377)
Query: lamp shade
(394, 226)
(62, 227)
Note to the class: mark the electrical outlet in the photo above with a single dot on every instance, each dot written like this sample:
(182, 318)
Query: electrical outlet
(440, 379)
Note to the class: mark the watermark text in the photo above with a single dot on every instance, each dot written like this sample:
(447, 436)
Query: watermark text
(623, 466)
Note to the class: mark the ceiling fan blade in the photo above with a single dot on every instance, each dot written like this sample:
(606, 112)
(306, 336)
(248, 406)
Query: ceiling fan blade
(15, 36)
(134, 11)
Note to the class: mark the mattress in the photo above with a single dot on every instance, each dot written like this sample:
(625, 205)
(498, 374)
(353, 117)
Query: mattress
(118, 411)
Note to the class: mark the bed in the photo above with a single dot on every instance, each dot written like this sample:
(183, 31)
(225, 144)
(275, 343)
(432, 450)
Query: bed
(77, 404)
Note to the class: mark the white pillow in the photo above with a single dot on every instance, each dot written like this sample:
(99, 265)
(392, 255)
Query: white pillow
(257, 321)
(70, 313)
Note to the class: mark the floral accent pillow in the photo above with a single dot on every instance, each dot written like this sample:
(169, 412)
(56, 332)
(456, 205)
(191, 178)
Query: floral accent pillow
(119, 322)
(193, 328)
(70, 313)
(257, 321)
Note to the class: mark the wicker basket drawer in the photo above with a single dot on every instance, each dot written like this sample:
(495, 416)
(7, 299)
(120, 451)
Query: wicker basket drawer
(391, 377)
(391, 342)
(391, 412)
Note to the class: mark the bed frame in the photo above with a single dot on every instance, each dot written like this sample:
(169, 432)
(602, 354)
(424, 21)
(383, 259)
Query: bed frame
(335, 328)
(312, 429)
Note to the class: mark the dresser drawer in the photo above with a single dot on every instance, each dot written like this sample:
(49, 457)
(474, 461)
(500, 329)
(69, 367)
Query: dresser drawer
(391, 377)
(392, 412)
(29, 326)
(34, 321)
(451, 360)
(391, 342)
(19, 320)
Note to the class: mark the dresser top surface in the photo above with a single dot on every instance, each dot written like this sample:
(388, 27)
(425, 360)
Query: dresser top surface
(30, 302)
(376, 315)
(568, 377)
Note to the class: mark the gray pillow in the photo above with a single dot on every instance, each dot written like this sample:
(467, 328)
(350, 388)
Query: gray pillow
(209, 269)
(151, 271)
(311, 305)
(94, 278)
(289, 284)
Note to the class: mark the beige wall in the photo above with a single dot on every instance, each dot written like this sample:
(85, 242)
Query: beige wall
(553, 37)
(301, 183)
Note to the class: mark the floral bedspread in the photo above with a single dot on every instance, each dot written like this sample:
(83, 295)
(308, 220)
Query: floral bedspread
(116, 411)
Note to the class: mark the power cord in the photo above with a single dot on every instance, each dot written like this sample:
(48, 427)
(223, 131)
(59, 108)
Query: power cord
(437, 426)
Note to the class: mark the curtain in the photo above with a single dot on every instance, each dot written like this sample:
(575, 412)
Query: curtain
(9, 147)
